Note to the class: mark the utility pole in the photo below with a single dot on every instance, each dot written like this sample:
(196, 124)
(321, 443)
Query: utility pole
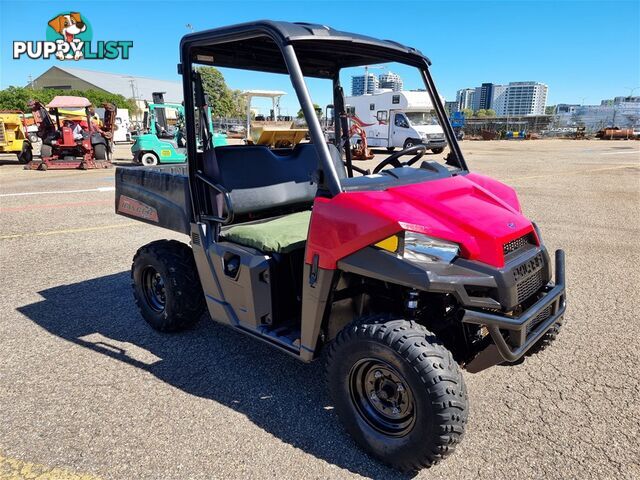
(134, 96)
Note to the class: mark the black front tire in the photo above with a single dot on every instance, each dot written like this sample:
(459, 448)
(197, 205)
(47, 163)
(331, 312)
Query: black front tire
(166, 286)
(429, 406)
(411, 142)
(46, 151)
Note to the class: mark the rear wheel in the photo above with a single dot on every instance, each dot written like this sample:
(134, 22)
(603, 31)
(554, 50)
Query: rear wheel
(437, 150)
(390, 149)
(100, 151)
(166, 286)
(398, 391)
(33, 138)
(148, 159)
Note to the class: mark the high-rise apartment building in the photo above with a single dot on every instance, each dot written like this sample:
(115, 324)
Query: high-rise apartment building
(363, 84)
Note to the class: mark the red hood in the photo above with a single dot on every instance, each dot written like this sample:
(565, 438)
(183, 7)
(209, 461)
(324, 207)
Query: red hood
(477, 212)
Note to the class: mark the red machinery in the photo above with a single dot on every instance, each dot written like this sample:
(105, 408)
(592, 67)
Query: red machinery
(80, 144)
(360, 151)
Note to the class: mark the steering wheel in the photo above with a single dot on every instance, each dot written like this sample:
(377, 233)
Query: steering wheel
(418, 150)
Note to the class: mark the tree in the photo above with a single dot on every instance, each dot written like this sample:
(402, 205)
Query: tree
(224, 102)
(490, 112)
(316, 107)
(17, 98)
(549, 110)
(468, 113)
(481, 113)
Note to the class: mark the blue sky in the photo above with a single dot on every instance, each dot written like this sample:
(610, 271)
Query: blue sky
(584, 50)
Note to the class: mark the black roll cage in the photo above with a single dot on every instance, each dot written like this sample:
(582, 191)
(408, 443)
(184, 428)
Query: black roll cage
(285, 35)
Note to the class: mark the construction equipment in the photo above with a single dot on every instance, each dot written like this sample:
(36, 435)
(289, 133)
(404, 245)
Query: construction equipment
(271, 131)
(13, 135)
(74, 142)
(615, 133)
(163, 141)
(360, 149)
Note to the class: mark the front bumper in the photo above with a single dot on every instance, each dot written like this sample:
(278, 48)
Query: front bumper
(525, 329)
(434, 143)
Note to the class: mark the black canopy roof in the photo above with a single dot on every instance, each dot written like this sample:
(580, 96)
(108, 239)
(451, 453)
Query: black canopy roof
(321, 50)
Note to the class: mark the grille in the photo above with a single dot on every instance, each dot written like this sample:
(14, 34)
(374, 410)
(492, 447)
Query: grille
(2, 139)
(541, 317)
(530, 285)
(517, 244)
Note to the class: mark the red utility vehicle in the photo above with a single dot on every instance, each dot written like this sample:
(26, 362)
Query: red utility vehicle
(72, 142)
(400, 278)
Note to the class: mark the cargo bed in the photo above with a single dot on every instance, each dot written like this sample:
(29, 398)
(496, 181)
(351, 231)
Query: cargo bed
(156, 195)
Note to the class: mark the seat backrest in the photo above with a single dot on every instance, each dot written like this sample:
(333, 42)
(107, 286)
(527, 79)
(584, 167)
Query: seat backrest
(262, 182)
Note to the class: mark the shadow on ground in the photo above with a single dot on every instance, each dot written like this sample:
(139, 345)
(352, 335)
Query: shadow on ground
(276, 392)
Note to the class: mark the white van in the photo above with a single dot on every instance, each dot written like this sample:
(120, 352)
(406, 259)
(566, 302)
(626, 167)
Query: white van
(397, 119)
(121, 133)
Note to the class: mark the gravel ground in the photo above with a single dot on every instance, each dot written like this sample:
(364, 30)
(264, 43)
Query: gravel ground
(86, 386)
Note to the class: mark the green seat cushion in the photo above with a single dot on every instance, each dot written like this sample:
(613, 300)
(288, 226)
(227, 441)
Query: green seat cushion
(280, 235)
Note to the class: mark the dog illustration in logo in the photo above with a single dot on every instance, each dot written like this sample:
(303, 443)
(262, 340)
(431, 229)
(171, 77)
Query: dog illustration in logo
(68, 26)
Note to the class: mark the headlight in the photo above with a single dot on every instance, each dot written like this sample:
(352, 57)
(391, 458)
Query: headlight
(423, 248)
(420, 248)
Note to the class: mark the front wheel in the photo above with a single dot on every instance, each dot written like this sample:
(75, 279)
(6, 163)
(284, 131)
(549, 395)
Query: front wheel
(437, 150)
(398, 391)
(166, 286)
(410, 142)
(100, 151)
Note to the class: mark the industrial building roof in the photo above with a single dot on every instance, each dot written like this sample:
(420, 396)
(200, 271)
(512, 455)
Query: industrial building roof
(121, 84)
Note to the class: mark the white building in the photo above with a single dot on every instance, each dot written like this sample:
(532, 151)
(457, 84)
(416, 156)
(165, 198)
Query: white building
(390, 80)
(596, 117)
(465, 98)
(525, 98)
(499, 99)
(514, 99)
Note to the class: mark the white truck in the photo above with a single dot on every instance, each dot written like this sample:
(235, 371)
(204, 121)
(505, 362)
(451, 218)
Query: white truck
(397, 119)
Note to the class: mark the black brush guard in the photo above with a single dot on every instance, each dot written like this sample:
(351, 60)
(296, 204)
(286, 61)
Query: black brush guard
(524, 329)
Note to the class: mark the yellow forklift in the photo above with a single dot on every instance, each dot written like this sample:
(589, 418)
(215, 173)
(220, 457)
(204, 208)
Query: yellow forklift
(13, 135)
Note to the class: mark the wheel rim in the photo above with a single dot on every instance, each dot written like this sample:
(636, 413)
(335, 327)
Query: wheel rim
(148, 160)
(382, 397)
(154, 289)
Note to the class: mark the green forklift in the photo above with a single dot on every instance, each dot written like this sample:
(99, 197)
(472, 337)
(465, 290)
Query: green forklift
(163, 140)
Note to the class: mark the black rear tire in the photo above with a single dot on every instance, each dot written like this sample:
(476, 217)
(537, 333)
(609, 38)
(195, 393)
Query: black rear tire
(421, 421)
(100, 151)
(26, 155)
(166, 286)
(390, 149)
(437, 150)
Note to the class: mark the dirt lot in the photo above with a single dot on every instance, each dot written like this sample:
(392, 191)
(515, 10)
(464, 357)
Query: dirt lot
(86, 386)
